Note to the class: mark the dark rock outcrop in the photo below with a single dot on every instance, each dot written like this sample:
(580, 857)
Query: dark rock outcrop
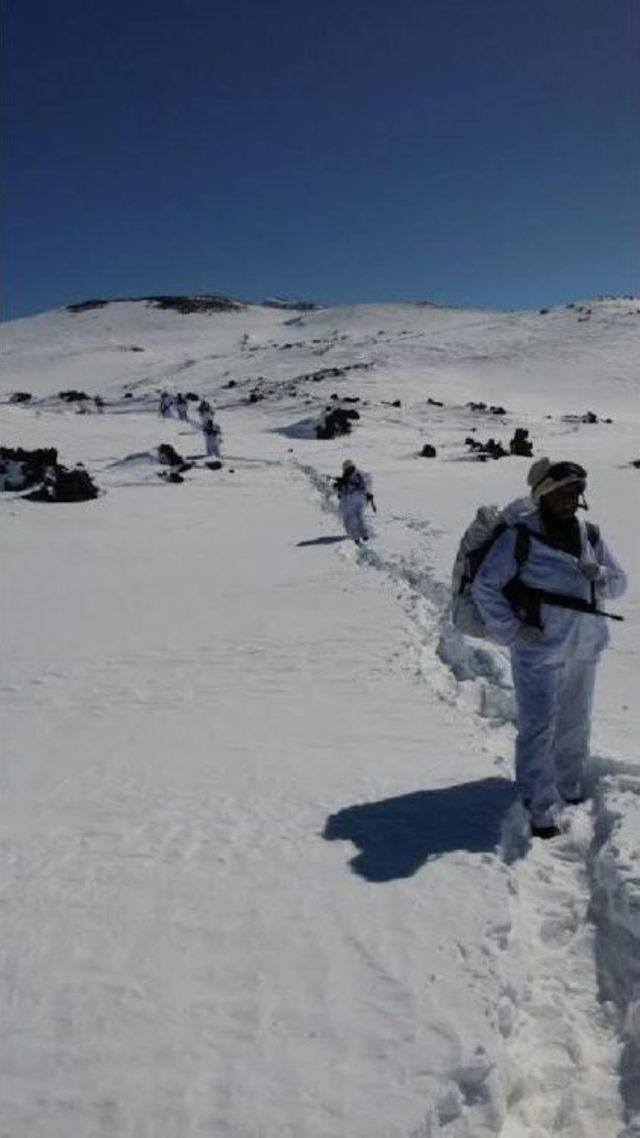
(521, 444)
(21, 468)
(62, 485)
(168, 456)
(72, 396)
(87, 305)
(493, 448)
(185, 305)
(483, 407)
(336, 421)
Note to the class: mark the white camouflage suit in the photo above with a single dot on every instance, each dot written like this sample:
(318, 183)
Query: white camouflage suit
(553, 676)
(212, 438)
(353, 491)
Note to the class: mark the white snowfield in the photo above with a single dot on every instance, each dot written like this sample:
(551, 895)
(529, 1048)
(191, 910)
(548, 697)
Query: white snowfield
(264, 875)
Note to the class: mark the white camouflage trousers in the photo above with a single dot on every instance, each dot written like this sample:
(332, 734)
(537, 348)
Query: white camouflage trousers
(554, 723)
(352, 508)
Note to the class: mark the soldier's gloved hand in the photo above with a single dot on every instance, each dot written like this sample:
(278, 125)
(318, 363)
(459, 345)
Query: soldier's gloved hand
(593, 571)
(529, 634)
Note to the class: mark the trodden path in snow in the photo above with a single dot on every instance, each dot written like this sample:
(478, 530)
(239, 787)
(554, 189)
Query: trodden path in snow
(565, 1053)
(562, 1073)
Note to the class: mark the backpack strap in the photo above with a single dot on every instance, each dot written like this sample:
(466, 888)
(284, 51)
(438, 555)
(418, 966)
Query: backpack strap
(593, 533)
(523, 600)
(523, 542)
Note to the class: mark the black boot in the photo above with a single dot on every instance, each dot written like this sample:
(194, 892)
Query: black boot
(550, 831)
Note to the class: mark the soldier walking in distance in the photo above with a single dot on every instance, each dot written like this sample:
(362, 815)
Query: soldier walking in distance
(354, 494)
(212, 438)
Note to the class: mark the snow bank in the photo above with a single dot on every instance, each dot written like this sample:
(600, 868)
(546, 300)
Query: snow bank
(615, 861)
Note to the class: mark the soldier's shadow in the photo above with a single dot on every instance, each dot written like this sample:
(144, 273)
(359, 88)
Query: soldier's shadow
(397, 836)
(329, 540)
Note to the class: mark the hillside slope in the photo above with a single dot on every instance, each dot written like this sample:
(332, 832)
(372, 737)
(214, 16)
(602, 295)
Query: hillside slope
(264, 870)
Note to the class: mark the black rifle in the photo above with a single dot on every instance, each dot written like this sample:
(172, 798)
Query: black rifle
(525, 602)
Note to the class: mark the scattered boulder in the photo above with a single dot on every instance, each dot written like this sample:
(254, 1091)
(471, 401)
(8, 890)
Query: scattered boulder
(543, 311)
(588, 417)
(12, 475)
(20, 397)
(170, 457)
(435, 402)
(493, 448)
(521, 444)
(483, 407)
(636, 462)
(331, 372)
(72, 396)
(231, 383)
(428, 451)
(215, 464)
(335, 421)
(591, 417)
(170, 476)
(21, 468)
(62, 485)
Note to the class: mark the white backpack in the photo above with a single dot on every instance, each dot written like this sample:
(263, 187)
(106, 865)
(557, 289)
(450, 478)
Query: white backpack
(477, 539)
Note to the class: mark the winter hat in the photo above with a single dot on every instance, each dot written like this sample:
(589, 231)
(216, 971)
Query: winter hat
(348, 464)
(545, 476)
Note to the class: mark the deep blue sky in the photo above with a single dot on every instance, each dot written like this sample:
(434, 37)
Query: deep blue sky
(473, 151)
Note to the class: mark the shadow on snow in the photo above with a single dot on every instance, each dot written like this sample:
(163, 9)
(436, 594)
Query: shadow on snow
(398, 835)
(323, 540)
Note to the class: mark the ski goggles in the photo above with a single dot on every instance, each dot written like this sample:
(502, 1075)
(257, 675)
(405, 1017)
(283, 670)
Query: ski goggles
(563, 472)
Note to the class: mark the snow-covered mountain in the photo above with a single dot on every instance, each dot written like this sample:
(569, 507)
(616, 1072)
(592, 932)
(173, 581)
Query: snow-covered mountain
(264, 872)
